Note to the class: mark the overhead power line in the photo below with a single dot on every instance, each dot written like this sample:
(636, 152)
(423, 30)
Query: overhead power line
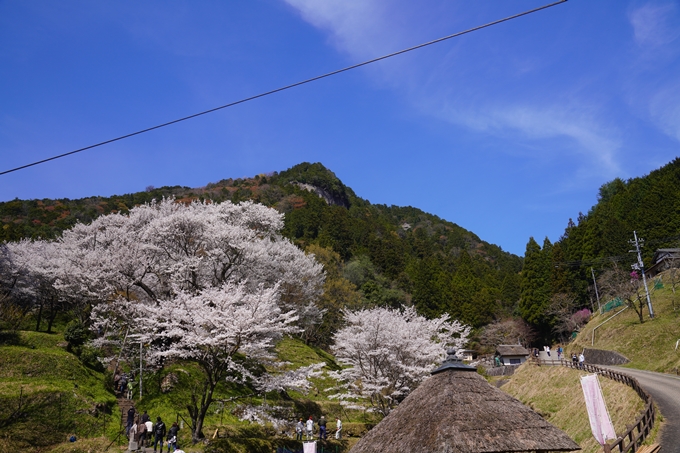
(590, 262)
(267, 93)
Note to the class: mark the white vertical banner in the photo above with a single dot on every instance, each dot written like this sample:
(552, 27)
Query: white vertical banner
(600, 423)
(309, 447)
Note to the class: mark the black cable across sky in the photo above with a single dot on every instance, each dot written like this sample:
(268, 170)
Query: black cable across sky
(267, 93)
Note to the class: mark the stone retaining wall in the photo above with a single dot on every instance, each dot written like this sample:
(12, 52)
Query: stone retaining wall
(505, 370)
(602, 357)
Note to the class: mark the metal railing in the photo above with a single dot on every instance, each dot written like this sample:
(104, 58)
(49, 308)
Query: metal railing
(631, 440)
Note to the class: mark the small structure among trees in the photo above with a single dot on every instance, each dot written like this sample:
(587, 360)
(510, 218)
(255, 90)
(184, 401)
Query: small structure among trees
(511, 354)
(663, 259)
(457, 410)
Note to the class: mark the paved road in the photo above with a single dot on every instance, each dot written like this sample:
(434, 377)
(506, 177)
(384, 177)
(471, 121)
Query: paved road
(665, 389)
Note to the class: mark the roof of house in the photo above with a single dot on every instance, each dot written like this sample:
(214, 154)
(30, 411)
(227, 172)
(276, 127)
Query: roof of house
(660, 254)
(457, 410)
(511, 349)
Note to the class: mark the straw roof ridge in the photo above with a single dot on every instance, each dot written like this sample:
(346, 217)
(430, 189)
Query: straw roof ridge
(511, 349)
(458, 411)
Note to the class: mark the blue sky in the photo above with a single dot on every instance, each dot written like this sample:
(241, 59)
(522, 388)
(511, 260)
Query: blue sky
(508, 131)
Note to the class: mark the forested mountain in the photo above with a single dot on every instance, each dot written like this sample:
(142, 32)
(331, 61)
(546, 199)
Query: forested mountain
(560, 273)
(374, 255)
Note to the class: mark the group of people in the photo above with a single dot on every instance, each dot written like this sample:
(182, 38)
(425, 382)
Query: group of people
(580, 359)
(559, 351)
(308, 429)
(547, 350)
(142, 432)
(123, 384)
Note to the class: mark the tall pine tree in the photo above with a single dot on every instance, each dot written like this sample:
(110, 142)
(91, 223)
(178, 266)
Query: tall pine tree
(535, 284)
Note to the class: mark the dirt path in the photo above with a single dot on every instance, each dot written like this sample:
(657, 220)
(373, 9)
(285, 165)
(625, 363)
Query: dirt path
(665, 389)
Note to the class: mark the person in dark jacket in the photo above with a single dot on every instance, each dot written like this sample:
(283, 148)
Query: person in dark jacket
(145, 417)
(130, 420)
(122, 383)
(172, 437)
(116, 381)
(158, 433)
(322, 428)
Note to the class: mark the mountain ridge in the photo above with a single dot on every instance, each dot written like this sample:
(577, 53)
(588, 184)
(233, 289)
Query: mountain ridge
(391, 254)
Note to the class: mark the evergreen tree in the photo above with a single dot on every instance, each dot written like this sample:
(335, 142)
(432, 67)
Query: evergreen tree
(429, 293)
(535, 283)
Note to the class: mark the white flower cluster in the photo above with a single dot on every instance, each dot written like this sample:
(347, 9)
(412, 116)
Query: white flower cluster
(201, 281)
(387, 353)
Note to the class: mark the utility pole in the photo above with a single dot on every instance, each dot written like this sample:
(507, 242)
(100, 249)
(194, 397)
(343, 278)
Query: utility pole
(641, 267)
(596, 293)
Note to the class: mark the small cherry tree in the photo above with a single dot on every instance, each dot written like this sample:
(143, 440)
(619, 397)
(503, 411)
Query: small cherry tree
(616, 282)
(38, 271)
(388, 352)
(16, 284)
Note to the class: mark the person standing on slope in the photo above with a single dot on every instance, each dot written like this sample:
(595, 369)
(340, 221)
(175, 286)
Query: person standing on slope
(158, 434)
(310, 428)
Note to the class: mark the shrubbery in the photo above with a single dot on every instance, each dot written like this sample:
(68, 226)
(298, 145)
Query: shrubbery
(77, 335)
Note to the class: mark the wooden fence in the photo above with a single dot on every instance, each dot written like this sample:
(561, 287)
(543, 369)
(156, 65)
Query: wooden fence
(636, 433)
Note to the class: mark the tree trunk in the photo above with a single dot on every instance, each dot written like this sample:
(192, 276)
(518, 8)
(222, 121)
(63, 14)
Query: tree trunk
(198, 413)
(638, 305)
(51, 318)
(37, 322)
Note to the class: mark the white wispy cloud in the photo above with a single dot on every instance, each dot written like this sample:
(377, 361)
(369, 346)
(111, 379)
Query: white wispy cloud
(365, 28)
(655, 90)
(356, 27)
(577, 123)
(652, 26)
(664, 107)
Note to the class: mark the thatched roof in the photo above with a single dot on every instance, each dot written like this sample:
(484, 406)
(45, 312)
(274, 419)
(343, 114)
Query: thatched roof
(511, 349)
(458, 411)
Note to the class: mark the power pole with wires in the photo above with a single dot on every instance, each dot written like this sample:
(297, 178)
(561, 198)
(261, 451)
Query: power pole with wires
(597, 294)
(641, 267)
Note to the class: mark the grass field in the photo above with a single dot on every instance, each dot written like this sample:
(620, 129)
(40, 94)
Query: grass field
(555, 393)
(46, 394)
(650, 345)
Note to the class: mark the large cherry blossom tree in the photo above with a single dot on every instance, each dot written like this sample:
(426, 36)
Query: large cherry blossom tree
(388, 352)
(211, 283)
(164, 247)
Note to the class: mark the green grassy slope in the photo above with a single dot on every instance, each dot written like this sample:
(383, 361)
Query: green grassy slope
(555, 393)
(650, 345)
(46, 394)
